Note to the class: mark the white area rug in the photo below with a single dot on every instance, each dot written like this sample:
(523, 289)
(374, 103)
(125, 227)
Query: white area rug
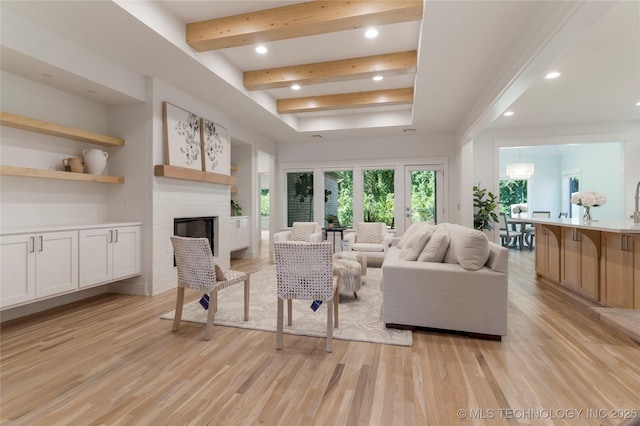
(360, 319)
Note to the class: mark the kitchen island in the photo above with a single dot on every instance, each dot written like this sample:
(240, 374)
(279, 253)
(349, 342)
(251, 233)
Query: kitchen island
(597, 259)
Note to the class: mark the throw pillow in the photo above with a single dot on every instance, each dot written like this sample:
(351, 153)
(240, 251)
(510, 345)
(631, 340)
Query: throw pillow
(301, 231)
(415, 243)
(414, 227)
(473, 250)
(436, 247)
(370, 232)
(220, 275)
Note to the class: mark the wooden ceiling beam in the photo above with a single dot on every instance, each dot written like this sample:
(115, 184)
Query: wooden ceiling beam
(332, 71)
(298, 20)
(402, 96)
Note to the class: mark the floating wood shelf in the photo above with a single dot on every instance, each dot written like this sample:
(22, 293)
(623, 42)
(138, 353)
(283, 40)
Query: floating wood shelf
(54, 174)
(31, 124)
(175, 172)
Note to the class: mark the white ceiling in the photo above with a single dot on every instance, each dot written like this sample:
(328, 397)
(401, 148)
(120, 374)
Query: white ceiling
(470, 62)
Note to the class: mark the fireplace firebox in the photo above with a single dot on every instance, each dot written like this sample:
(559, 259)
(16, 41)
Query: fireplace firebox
(196, 227)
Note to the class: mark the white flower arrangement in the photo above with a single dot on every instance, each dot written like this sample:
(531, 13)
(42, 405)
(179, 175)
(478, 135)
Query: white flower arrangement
(520, 209)
(588, 199)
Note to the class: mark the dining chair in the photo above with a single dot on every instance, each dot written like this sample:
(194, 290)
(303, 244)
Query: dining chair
(563, 215)
(197, 270)
(530, 232)
(508, 236)
(305, 272)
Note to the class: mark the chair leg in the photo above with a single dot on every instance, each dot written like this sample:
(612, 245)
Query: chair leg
(213, 307)
(335, 301)
(289, 312)
(279, 324)
(178, 315)
(330, 325)
(247, 287)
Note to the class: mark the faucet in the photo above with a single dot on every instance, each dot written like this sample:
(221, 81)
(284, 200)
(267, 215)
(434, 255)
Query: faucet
(636, 212)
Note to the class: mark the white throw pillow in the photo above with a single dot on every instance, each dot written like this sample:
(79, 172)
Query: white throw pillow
(415, 243)
(369, 233)
(414, 227)
(436, 247)
(301, 231)
(472, 249)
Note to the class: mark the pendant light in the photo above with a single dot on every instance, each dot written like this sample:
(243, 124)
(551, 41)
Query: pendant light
(519, 170)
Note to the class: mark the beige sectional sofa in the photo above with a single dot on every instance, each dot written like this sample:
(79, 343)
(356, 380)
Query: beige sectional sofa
(446, 277)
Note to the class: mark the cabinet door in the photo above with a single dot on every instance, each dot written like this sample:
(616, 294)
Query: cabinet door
(634, 242)
(617, 290)
(541, 253)
(56, 262)
(589, 284)
(126, 252)
(553, 256)
(243, 232)
(95, 256)
(570, 269)
(17, 269)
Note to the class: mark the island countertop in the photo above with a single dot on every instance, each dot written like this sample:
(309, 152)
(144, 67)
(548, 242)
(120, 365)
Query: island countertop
(619, 226)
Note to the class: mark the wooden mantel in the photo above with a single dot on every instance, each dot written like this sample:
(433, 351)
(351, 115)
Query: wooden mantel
(174, 172)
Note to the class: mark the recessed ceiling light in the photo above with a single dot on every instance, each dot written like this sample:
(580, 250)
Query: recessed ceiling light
(371, 33)
(377, 78)
(295, 87)
(261, 50)
(508, 113)
(637, 103)
(552, 75)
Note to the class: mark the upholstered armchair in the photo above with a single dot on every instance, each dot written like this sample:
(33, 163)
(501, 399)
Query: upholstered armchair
(371, 239)
(309, 232)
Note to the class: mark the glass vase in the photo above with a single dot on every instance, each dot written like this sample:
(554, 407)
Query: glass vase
(587, 214)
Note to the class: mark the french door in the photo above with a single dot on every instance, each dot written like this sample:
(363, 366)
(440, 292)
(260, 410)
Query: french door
(424, 195)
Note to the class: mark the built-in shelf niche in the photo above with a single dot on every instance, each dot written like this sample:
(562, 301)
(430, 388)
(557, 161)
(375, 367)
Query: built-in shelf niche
(51, 129)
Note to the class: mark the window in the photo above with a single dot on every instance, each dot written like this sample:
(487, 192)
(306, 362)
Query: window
(338, 191)
(299, 197)
(379, 190)
(512, 192)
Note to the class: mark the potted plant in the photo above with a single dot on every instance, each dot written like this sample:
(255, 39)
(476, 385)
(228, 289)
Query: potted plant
(331, 219)
(484, 215)
(236, 210)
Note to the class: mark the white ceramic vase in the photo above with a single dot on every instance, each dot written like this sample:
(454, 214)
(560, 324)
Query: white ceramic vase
(96, 160)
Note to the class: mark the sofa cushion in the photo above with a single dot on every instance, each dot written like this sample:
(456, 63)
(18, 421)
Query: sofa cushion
(416, 242)
(301, 231)
(468, 247)
(367, 247)
(436, 247)
(367, 232)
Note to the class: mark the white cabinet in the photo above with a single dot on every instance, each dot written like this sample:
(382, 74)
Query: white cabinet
(240, 235)
(37, 265)
(109, 254)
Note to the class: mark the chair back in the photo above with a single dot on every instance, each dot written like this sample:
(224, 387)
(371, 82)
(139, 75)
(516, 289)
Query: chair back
(563, 215)
(541, 213)
(503, 223)
(196, 267)
(304, 270)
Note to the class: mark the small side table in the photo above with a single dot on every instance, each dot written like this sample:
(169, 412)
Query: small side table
(333, 232)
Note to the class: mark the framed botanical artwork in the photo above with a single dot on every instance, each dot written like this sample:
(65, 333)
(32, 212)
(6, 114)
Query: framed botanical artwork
(182, 137)
(216, 156)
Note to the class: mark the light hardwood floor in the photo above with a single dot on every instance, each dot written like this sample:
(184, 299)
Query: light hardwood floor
(112, 360)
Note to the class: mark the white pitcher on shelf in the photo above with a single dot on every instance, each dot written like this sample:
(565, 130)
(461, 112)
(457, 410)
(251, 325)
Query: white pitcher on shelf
(96, 160)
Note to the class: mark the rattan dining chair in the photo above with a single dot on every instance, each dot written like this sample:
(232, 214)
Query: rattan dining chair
(305, 272)
(197, 270)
